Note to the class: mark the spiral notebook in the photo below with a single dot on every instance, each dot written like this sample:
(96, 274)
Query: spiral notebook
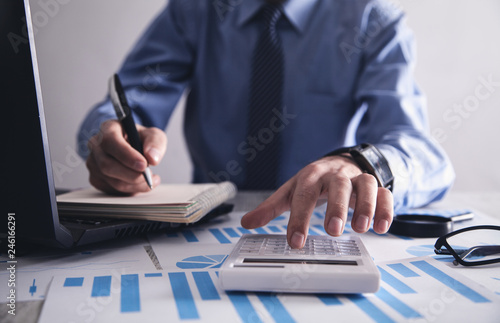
(178, 203)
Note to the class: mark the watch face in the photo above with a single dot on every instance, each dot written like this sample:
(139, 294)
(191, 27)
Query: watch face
(379, 165)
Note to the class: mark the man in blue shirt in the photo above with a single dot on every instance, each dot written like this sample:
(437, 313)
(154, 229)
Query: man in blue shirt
(347, 80)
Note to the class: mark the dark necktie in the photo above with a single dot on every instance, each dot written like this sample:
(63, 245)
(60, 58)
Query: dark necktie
(266, 100)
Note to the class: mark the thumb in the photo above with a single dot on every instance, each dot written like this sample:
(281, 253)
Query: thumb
(154, 142)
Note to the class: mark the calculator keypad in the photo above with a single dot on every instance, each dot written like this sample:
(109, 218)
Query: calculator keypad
(314, 246)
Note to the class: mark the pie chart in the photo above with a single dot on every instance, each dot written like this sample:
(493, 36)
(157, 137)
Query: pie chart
(200, 262)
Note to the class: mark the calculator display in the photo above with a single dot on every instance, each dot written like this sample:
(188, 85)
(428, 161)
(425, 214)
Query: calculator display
(301, 261)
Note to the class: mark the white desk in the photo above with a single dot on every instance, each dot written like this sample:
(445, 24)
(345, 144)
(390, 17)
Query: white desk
(171, 285)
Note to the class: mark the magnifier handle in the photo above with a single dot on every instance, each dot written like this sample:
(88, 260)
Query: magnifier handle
(462, 217)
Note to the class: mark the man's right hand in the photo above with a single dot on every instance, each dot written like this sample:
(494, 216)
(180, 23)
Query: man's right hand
(116, 167)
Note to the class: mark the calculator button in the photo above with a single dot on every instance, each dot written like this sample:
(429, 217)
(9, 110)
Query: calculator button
(249, 252)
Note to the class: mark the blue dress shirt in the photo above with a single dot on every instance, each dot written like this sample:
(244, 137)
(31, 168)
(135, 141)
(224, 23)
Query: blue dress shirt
(348, 80)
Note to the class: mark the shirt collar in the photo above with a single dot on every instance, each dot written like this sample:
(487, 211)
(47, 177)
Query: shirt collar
(296, 11)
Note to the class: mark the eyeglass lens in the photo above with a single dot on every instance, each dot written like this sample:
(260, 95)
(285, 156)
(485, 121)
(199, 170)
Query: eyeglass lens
(476, 245)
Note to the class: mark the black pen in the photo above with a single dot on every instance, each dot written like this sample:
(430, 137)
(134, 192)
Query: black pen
(124, 115)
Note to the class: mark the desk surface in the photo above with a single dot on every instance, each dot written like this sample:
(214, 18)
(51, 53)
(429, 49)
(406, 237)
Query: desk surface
(216, 239)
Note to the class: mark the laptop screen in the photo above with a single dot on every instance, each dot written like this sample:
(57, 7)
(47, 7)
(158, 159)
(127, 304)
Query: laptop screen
(27, 182)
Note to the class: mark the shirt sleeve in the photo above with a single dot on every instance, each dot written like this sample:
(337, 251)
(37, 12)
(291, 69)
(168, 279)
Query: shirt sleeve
(154, 74)
(394, 113)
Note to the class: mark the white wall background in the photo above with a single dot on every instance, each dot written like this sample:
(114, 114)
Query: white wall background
(81, 43)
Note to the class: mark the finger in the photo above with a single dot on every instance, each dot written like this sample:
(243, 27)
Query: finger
(106, 165)
(114, 144)
(112, 177)
(384, 211)
(154, 143)
(100, 184)
(337, 209)
(111, 186)
(304, 198)
(365, 187)
(132, 188)
(272, 207)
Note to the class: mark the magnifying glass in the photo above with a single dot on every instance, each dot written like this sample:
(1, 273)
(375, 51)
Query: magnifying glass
(426, 225)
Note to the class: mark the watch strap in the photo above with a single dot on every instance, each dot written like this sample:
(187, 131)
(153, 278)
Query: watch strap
(370, 160)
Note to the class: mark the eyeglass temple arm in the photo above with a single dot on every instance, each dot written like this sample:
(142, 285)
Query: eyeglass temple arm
(438, 247)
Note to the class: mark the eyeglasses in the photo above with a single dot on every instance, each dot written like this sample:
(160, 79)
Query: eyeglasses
(472, 246)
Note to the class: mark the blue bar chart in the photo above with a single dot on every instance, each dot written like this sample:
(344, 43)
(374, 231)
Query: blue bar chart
(194, 294)
(415, 287)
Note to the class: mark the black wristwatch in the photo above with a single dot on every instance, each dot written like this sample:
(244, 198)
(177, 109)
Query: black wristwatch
(371, 161)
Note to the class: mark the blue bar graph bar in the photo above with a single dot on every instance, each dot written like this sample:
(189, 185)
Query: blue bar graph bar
(319, 215)
(369, 308)
(395, 283)
(261, 231)
(205, 286)
(329, 299)
(219, 236)
(32, 289)
(244, 231)
(189, 235)
(130, 300)
(274, 228)
(153, 275)
(274, 306)
(183, 296)
(232, 233)
(73, 282)
(403, 270)
(313, 233)
(450, 282)
(396, 304)
(244, 308)
(101, 286)
(320, 228)
(279, 218)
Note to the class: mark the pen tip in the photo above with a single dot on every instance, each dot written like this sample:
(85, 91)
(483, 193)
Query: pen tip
(149, 178)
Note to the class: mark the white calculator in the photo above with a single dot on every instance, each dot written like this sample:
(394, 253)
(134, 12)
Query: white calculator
(265, 262)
